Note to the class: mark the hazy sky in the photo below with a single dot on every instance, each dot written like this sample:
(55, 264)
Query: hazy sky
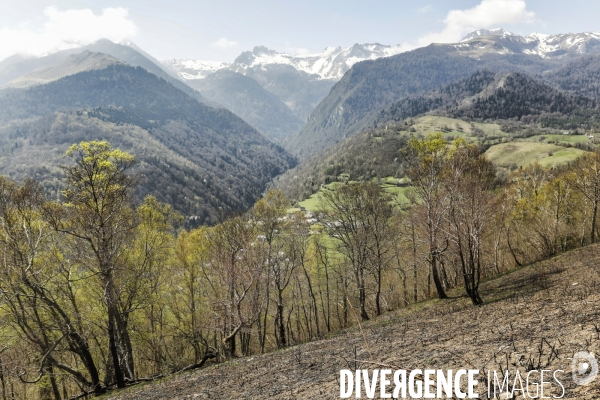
(221, 29)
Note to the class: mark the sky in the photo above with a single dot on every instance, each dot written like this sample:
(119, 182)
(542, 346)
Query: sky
(221, 30)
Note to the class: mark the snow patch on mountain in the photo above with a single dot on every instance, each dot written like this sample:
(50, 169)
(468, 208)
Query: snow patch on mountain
(485, 32)
(331, 63)
(193, 69)
(543, 45)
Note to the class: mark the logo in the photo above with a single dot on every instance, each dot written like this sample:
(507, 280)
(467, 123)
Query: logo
(584, 367)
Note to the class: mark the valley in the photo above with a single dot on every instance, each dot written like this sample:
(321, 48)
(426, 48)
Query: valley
(187, 228)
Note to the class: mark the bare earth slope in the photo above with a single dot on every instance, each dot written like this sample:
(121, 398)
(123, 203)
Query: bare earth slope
(539, 315)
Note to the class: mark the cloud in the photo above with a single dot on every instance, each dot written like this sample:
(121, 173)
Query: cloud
(301, 51)
(224, 43)
(425, 9)
(485, 15)
(296, 51)
(66, 29)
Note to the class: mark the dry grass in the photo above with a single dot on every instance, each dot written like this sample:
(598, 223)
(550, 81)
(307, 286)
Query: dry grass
(537, 316)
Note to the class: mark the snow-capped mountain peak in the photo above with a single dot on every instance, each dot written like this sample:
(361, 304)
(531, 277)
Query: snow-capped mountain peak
(543, 45)
(485, 32)
(331, 63)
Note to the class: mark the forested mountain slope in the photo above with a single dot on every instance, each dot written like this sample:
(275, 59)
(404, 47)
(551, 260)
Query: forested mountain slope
(16, 66)
(372, 85)
(581, 76)
(203, 161)
(248, 100)
(374, 153)
(486, 96)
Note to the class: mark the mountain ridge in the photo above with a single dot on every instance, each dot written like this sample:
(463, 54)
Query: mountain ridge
(71, 65)
(205, 162)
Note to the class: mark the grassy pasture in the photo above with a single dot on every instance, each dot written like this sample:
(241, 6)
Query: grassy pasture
(566, 139)
(527, 152)
(458, 128)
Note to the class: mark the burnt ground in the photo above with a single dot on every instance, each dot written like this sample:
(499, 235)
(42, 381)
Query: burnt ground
(536, 317)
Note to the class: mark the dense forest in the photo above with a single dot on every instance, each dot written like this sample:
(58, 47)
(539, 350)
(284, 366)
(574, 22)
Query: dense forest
(580, 76)
(99, 291)
(520, 97)
(485, 96)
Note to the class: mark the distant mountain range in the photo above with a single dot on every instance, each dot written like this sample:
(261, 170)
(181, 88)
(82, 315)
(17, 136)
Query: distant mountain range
(70, 65)
(210, 136)
(370, 86)
(500, 41)
(18, 65)
(331, 63)
(299, 82)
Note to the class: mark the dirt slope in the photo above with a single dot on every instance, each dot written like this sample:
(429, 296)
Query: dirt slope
(536, 317)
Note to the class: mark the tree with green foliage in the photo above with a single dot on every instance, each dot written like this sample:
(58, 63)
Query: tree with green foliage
(37, 283)
(98, 212)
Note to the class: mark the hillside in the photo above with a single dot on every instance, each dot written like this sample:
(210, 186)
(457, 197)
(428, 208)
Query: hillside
(443, 99)
(520, 154)
(247, 99)
(548, 312)
(368, 155)
(517, 96)
(581, 76)
(485, 96)
(203, 161)
(17, 66)
(377, 152)
(373, 85)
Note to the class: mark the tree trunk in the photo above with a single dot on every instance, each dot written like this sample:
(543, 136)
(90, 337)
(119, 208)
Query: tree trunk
(2, 380)
(114, 352)
(415, 280)
(362, 296)
(378, 294)
(53, 383)
(436, 278)
(280, 320)
(314, 301)
(594, 216)
(263, 337)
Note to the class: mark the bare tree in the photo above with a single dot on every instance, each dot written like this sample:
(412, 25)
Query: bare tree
(428, 159)
(357, 214)
(231, 273)
(586, 179)
(470, 180)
